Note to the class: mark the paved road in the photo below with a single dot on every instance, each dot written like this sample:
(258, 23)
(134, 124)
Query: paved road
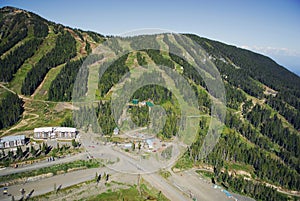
(129, 164)
(183, 186)
(177, 188)
(47, 185)
(202, 189)
(42, 164)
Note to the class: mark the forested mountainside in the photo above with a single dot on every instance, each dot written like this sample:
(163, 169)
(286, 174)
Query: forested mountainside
(259, 146)
(33, 53)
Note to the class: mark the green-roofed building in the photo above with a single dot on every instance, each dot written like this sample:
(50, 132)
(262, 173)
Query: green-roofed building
(135, 101)
(149, 104)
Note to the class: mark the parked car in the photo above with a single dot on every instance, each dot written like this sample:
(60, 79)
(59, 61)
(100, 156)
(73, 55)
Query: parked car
(5, 191)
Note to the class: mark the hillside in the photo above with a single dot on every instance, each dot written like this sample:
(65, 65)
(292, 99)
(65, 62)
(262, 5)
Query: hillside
(33, 53)
(260, 143)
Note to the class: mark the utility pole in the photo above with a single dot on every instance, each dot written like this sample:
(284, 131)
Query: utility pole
(138, 184)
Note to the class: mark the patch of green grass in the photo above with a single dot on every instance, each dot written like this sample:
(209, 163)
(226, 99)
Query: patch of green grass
(51, 75)
(165, 174)
(21, 42)
(44, 48)
(163, 46)
(41, 114)
(131, 193)
(184, 163)
(93, 79)
(206, 174)
(130, 60)
(239, 166)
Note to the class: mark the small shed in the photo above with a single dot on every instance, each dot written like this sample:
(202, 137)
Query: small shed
(150, 143)
(149, 104)
(135, 101)
(116, 131)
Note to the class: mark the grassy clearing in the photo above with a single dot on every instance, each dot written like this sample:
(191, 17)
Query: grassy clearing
(239, 166)
(131, 193)
(45, 47)
(206, 174)
(21, 42)
(93, 79)
(165, 174)
(41, 93)
(184, 163)
(40, 114)
(163, 46)
(131, 60)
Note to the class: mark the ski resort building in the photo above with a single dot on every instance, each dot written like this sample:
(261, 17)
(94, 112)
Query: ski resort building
(55, 133)
(12, 141)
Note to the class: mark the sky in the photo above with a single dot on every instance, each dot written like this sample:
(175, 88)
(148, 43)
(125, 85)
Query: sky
(270, 27)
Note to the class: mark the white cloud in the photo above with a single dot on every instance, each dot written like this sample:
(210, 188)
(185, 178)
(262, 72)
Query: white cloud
(276, 51)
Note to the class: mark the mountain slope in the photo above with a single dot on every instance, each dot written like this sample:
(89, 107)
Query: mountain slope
(260, 143)
(33, 52)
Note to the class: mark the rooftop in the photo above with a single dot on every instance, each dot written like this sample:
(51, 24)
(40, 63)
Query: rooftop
(53, 129)
(12, 138)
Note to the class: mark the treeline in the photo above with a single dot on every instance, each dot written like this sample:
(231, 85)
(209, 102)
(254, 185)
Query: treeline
(11, 109)
(188, 70)
(156, 93)
(87, 47)
(272, 127)
(234, 97)
(61, 87)
(95, 36)
(13, 30)
(40, 28)
(239, 78)
(65, 49)
(249, 66)
(105, 118)
(140, 116)
(232, 149)
(168, 65)
(253, 134)
(14, 60)
(141, 59)
(85, 118)
(96, 117)
(254, 189)
(112, 75)
(158, 58)
(204, 101)
(257, 66)
(292, 115)
(160, 96)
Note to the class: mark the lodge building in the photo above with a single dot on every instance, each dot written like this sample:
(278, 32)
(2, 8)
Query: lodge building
(55, 133)
(12, 141)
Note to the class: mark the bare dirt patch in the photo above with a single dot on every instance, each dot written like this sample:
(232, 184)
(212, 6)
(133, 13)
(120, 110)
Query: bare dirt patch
(65, 106)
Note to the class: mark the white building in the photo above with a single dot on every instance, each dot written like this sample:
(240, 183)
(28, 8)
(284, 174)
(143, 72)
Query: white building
(12, 141)
(116, 131)
(65, 132)
(43, 132)
(55, 133)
